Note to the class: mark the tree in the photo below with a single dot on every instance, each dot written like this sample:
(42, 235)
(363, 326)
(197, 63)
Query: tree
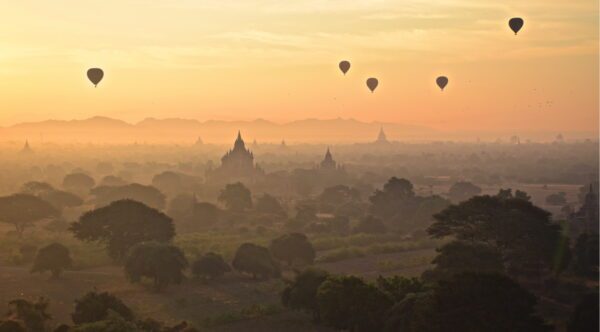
(210, 265)
(347, 302)
(95, 307)
(256, 260)
(78, 182)
(11, 326)
(472, 302)
(338, 195)
(122, 224)
(414, 313)
(557, 199)
(168, 182)
(397, 197)
(61, 199)
(518, 229)
(205, 214)
(270, 205)
(164, 263)
(32, 315)
(111, 180)
(301, 293)
(54, 258)
(236, 197)
(398, 287)
(35, 188)
(113, 323)
(461, 191)
(370, 225)
(586, 254)
(460, 256)
(293, 248)
(585, 316)
(145, 194)
(22, 210)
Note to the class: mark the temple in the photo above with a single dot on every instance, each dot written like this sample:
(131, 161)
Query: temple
(381, 138)
(328, 162)
(237, 162)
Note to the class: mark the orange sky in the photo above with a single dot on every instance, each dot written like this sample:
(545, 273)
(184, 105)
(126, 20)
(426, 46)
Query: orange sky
(248, 59)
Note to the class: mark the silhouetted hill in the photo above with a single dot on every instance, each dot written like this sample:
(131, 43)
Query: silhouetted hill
(107, 130)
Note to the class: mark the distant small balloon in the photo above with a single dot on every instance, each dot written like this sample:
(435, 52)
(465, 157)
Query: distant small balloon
(442, 81)
(372, 83)
(95, 75)
(344, 66)
(516, 24)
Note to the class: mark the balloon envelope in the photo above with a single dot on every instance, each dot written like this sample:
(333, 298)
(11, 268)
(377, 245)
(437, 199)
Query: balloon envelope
(442, 81)
(95, 75)
(516, 24)
(344, 66)
(372, 83)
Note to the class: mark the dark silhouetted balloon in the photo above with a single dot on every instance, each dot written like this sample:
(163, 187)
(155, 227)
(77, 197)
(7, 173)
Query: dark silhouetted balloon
(95, 75)
(372, 83)
(344, 66)
(515, 24)
(442, 81)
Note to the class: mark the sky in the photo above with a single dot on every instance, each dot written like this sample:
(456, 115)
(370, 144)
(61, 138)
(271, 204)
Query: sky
(277, 60)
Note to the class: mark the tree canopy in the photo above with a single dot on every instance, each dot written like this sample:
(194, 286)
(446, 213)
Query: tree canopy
(236, 197)
(22, 210)
(161, 262)
(95, 307)
(210, 265)
(145, 194)
(293, 248)
(255, 260)
(123, 224)
(54, 258)
(301, 292)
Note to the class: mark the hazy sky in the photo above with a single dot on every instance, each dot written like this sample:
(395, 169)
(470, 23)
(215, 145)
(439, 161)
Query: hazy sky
(273, 59)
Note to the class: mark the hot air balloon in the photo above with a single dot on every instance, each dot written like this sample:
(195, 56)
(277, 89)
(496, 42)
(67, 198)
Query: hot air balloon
(95, 75)
(515, 24)
(372, 83)
(344, 66)
(442, 81)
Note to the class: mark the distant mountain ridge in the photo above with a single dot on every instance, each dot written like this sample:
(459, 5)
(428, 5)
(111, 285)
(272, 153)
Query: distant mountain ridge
(101, 129)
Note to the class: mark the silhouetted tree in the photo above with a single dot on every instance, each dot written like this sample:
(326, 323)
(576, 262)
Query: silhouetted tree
(35, 188)
(11, 326)
(459, 256)
(61, 199)
(164, 263)
(398, 287)
(168, 182)
(95, 307)
(269, 204)
(210, 265)
(520, 230)
(54, 258)
(145, 194)
(22, 210)
(585, 316)
(255, 260)
(393, 199)
(301, 293)
(415, 313)
(347, 302)
(461, 191)
(236, 197)
(293, 248)
(78, 182)
(205, 214)
(337, 195)
(111, 180)
(32, 315)
(473, 302)
(123, 224)
(370, 225)
(113, 323)
(586, 255)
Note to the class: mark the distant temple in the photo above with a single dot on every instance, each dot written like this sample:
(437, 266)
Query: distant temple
(199, 141)
(238, 162)
(26, 148)
(586, 219)
(381, 138)
(328, 162)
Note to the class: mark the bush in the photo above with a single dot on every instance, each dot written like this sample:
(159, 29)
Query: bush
(210, 265)
(94, 307)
